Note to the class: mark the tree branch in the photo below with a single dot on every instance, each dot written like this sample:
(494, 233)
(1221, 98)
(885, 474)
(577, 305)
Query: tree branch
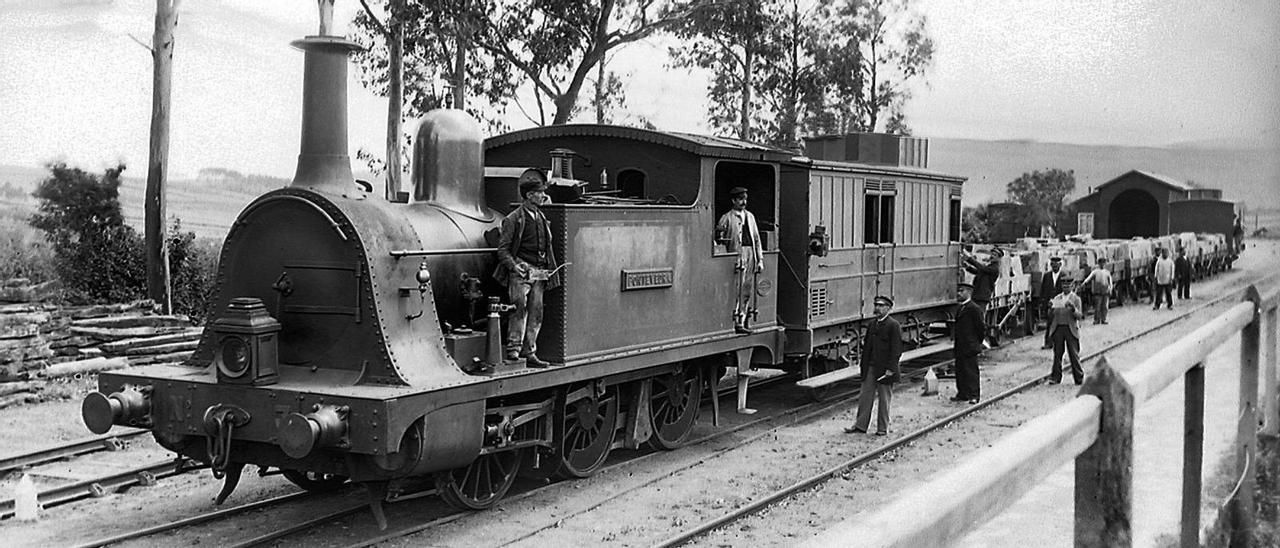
(143, 44)
(374, 19)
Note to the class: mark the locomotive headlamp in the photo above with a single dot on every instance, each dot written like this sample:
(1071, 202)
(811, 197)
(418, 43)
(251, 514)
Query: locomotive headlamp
(247, 343)
(233, 356)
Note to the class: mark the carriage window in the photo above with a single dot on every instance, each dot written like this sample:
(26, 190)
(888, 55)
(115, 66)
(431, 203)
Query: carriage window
(956, 213)
(878, 218)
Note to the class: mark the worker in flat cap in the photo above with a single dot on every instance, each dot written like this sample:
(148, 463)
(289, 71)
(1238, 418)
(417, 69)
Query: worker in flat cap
(527, 267)
(881, 350)
(739, 232)
(1050, 287)
(968, 332)
(1064, 310)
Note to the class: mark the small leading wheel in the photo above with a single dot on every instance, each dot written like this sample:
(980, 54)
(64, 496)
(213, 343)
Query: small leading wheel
(673, 406)
(590, 422)
(314, 482)
(480, 484)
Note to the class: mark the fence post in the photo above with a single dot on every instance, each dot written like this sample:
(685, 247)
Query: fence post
(1192, 454)
(1104, 472)
(1243, 512)
(1271, 401)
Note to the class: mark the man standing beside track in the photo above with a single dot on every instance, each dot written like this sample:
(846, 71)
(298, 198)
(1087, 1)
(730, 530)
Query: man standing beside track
(1065, 309)
(881, 350)
(969, 328)
(1182, 275)
(1101, 290)
(1050, 287)
(1163, 275)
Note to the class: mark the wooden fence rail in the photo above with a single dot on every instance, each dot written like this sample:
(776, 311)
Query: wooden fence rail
(1096, 431)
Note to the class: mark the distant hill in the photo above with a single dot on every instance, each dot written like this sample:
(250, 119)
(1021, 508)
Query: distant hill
(1250, 176)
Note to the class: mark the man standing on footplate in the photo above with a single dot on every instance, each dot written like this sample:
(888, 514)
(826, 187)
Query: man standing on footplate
(881, 350)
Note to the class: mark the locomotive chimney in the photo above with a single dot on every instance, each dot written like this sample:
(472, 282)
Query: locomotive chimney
(448, 162)
(323, 164)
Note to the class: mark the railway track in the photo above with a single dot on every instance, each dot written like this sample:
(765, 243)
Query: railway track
(146, 474)
(787, 492)
(106, 442)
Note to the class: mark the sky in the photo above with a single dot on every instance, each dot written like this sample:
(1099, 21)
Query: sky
(1160, 73)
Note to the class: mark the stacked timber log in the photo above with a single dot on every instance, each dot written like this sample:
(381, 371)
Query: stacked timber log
(42, 340)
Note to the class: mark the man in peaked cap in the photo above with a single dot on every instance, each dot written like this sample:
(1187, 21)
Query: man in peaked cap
(738, 229)
(968, 331)
(881, 350)
(525, 258)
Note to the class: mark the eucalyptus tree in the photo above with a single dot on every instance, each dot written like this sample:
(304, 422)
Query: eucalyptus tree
(873, 49)
(554, 44)
(731, 40)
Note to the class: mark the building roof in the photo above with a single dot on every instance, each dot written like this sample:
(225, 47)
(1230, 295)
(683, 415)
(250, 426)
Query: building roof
(1183, 186)
(701, 145)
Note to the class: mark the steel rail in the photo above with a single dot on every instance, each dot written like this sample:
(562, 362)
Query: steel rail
(106, 442)
(194, 520)
(145, 474)
(787, 492)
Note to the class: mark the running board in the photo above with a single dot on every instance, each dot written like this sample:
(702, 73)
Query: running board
(849, 372)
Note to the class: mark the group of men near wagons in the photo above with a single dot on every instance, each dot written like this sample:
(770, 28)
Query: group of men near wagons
(528, 268)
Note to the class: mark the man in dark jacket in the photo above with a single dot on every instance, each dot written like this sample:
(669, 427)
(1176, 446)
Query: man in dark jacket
(969, 328)
(526, 264)
(1182, 275)
(985, 275)
(1050, 287)
(881, 350)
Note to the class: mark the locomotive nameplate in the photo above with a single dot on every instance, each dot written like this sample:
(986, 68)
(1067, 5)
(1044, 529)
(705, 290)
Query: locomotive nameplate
(649, 278)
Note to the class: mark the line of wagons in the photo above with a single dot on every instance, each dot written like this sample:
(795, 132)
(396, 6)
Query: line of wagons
(1130, 262)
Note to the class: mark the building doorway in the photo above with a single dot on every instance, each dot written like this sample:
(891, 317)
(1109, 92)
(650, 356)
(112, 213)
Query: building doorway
(1134, 213)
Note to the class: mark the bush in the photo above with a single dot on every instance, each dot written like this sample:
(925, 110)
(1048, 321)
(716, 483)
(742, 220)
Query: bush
(27, 254)
(99, 258)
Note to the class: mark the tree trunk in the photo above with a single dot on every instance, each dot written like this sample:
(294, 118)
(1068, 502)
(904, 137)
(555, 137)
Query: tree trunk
(600, 92)
(157, 244)
(460, 68)
(395, 98)
(748, 59)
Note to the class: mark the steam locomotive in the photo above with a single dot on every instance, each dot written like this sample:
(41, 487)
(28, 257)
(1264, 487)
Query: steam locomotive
(355, 338)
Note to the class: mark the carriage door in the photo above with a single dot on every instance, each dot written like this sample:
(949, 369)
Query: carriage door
(878, 229)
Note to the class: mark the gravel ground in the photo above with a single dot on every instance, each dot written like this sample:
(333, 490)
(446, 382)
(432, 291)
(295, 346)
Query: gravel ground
(642, 503)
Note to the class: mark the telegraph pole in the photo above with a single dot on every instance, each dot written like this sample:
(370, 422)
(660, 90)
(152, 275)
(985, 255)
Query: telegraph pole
(158, 288)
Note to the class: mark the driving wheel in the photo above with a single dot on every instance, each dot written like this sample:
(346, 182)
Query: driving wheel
(589, 420)
(673, 406)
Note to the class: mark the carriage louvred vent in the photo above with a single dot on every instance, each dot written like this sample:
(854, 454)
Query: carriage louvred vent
(818, 300)
(882, 186)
